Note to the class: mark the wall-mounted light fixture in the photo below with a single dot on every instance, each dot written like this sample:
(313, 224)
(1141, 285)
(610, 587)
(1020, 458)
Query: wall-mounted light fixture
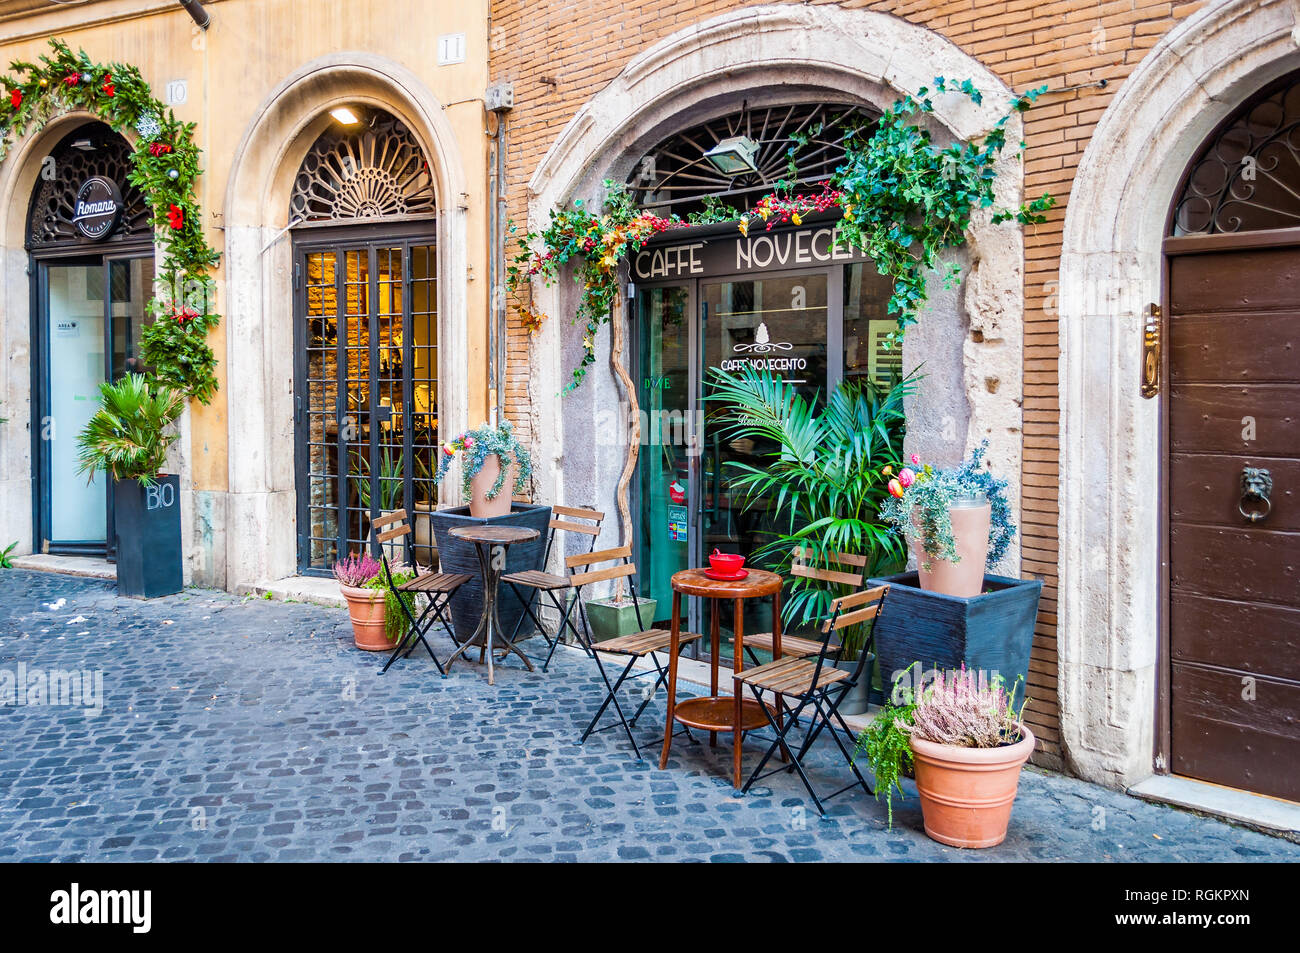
(345, 116)
(734, 155)
(197, 13)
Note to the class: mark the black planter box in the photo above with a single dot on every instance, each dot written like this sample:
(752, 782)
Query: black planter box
(991, 632)
(147, 525)
(458, 555)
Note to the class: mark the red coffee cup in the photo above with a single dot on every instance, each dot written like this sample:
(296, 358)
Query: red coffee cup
(726, 563)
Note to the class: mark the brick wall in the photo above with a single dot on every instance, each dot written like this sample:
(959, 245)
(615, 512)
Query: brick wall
(581, 46)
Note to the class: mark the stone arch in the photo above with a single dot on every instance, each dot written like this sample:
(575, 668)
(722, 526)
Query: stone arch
(1111, 266)
(708, 68)
(259, 306)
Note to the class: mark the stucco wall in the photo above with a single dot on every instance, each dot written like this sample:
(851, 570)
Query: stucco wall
(233, 70)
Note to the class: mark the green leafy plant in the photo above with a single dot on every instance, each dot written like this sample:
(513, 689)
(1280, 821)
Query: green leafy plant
(390, 480)
(477, 445)
(928, 495)
(395, 621)
(5, 561)
(903, 200)
(822, 477)
(907, 199)
(886, 745)
(128, 436)
(165, 166)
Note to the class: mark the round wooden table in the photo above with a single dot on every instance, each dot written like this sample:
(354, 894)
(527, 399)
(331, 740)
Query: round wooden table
(486, 539)
(716, 712)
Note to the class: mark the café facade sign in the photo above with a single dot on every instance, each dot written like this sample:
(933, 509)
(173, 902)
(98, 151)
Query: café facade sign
(737, 254)
(98, 209)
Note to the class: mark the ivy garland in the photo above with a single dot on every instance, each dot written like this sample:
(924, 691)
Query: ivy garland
(164, 166)
(902, 199)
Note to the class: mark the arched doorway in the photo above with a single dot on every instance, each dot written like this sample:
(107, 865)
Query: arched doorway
(92, 266)
(366, 416)
(792, 299)
(1231, 442)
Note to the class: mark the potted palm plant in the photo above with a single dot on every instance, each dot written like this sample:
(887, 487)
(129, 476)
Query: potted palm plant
(390, 492)
(127, 438)
(824, 470)
(966, 743)
(949, 612)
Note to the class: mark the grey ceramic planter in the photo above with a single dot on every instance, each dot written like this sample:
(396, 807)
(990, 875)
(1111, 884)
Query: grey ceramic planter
(458, 555)
(991, 632)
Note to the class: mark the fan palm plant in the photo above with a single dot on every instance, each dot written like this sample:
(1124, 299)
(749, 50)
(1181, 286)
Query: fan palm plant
(128, 436)
(821, 481)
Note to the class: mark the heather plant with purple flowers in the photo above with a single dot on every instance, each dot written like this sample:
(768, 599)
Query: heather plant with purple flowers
(356, 570)
(965, 710)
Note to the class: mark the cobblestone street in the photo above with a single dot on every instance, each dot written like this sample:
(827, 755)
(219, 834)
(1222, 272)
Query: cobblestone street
(252, 730)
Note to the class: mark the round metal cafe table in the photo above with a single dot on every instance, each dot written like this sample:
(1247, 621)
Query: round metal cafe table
(486, 539)
(715, 712)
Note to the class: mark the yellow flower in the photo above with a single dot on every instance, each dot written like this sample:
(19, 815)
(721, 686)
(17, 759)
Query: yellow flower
(744, 227)
(609, 261)
(764, 212)
(796, 219)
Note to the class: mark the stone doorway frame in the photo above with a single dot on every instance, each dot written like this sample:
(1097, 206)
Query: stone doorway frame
(1109, 611)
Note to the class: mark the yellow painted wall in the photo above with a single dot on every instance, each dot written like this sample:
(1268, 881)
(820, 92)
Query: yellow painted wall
(249, 48)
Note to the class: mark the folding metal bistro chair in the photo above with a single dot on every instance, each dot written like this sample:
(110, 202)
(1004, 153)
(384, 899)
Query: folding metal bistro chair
(793, 645)
(548, 584)
(437, 587)
(817, 686)
(643, 643)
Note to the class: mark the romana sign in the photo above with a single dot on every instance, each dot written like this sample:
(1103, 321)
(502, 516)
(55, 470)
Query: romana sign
(98, 208)
(739, 254)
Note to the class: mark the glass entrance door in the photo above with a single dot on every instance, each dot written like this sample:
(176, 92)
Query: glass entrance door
(367, 396)
(777, 324)
(92, 315)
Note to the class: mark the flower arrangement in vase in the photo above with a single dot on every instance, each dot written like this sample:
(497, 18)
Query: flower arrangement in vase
(492, 457)
(958, 520)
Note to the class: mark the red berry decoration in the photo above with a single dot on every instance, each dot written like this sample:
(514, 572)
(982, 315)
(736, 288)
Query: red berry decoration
(72, 79)
(159, 149)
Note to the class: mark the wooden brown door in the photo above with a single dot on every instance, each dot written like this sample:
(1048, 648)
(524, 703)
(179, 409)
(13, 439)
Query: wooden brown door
(1234, 584)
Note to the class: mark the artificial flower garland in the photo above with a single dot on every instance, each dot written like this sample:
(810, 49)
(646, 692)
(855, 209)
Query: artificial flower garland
(164, 166)
(902, 200)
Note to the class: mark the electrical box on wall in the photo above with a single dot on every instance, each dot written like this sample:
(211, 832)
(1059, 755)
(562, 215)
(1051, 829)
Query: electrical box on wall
(499, 98)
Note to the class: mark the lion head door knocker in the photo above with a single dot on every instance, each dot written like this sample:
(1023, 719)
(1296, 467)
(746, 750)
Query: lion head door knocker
(1256, 487)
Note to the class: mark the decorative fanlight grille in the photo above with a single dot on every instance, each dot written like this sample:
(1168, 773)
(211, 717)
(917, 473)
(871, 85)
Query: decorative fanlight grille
(375, 171)
(1248, 176)
(89, 151)
(801, 144)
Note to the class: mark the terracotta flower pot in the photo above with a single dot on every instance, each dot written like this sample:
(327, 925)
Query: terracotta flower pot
(479, 505)
(967, 793)
(970, 533)
(366, 610)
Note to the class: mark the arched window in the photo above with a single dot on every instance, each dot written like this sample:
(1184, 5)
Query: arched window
(373, 170)
(799, 144)
(91, 150)
(1248, 175)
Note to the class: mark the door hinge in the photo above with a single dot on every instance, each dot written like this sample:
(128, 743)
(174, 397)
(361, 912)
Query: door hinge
(1151, 352)
(297, 275)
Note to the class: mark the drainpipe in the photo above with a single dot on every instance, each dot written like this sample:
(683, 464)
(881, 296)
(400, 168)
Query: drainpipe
(197, 13)
(498, 100)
